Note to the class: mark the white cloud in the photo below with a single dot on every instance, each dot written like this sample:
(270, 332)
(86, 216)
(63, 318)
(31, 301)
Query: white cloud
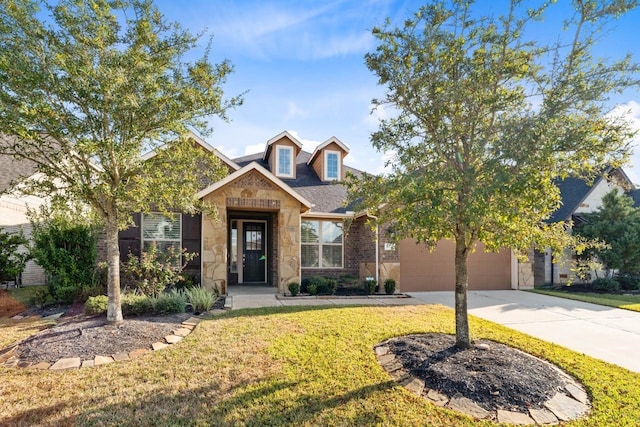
(307, 144)
(254, 148)
(294, 111)
(631, 112)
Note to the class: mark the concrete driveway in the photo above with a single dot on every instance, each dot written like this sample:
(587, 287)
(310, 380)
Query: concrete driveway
(609, 334)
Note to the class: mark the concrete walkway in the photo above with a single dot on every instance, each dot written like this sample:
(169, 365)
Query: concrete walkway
(606, 333)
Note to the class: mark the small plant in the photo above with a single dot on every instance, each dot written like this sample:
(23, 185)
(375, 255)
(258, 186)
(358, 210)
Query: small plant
(348, 281)
(606, 284)
(312, 289)
(628, 281)
(136, 305)
(370, 286)
(200, 299)
(68, 294)
(154, 271)
(389, 286)
(168, 303)
(331, 285)
(294, 288)
(317, 281)
(96, 305)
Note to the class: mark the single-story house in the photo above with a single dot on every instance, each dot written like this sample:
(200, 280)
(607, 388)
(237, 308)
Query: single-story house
(13, 208)
(281, 218)
(578, 198)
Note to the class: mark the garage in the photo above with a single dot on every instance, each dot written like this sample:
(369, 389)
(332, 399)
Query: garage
(421, 270)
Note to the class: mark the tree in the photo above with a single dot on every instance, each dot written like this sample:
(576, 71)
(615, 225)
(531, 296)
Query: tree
(482, 121)
(86, 86)
(12, 259)
(616, 223)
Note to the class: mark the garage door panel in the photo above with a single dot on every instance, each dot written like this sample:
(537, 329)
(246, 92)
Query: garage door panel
(421, 270)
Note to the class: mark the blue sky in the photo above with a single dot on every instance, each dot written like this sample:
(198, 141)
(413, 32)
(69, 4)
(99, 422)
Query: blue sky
(302, 63)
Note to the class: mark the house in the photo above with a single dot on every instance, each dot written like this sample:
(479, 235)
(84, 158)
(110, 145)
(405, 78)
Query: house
(578, 197)
(13, 208)
(281, 218)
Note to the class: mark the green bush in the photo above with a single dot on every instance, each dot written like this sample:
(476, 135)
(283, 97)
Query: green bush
(317, 281)
(294, 288)
(370, 286)
(41, 297)
(154, 271)
(389, 286)
(136, 305)
(67, 294)
(312, 289)
(331, 286)
(168, 303)
(200, 299)
(348, 281)
(606, 284)
(628, 281)
(96, 305)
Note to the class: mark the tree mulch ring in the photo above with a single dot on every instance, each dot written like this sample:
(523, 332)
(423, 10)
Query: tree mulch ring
(495, 377)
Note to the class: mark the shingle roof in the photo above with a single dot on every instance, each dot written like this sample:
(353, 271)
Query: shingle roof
(572, 193)
(13, 170)
(328, 197)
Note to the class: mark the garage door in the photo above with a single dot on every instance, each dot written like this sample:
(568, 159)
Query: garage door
(421, 270)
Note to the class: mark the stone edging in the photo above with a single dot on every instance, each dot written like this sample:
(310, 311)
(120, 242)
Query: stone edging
(372, 296)
(8, 358)
(568, 405)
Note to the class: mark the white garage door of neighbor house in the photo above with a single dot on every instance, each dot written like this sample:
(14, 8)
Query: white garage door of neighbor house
(421, 270)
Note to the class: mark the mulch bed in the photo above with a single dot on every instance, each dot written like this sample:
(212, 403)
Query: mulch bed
(493, 375)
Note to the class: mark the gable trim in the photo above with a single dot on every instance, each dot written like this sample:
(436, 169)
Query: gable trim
(278, 137)
(253, 166)
(320, 147)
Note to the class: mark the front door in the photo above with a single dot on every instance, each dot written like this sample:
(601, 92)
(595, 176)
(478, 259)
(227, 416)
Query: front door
(253, 256)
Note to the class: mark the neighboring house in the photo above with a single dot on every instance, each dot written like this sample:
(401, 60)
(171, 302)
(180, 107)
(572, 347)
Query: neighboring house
(13, 208)
(578, 197)
(281, 217)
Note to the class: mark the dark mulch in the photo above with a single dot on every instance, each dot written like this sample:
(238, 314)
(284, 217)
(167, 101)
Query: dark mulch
(87, 337)
(493, 375)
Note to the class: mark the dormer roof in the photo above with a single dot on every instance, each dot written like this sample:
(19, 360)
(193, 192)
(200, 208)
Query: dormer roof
(325, 144)
(278, 137)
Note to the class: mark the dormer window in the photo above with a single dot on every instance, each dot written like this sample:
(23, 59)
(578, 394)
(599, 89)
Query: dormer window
(331, 165)
(284, 161)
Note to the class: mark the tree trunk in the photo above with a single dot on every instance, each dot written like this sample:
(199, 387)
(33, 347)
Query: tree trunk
(114, 308)
(462, 319)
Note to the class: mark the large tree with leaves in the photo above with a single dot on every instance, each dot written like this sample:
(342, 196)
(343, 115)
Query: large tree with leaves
(86, 86)
(482, 121)
(616, 223)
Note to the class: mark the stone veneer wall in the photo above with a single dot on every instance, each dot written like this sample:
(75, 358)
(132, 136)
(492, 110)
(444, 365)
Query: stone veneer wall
(251, 192)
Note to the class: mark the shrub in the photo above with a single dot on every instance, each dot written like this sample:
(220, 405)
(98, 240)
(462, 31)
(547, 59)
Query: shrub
(389, 286)
(96, 305)
(331, 285)
(154, 271)
(67, 294)
(200, 299)
(605, 284)
(370, 286)
(13, 259)
(628, 281)
(66, 247)
(168, 303)
(41, 297)
(316, 281)
(294, 288)
(312, 289)
(136, 304)
(348, 281)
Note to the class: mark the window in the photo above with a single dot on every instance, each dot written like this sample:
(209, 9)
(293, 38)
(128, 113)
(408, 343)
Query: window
(331, 165)
(321, 244)
(233, 253)
(284, 161)
(163, 231)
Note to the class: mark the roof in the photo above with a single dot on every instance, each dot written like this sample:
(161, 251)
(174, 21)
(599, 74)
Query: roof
(262, 170)
(327, 197)
(13, 170)
(332, 140)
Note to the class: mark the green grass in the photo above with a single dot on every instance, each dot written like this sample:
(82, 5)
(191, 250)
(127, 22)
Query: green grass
(284, 366)
(25, 293)
(627, 302)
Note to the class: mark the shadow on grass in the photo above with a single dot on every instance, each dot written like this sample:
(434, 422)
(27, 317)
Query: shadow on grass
(39, 416)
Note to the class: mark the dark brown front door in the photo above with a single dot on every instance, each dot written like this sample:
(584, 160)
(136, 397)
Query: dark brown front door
(253, 257)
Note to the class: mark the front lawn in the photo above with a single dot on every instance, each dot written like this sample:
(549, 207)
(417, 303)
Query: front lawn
(283, 366)
(627, 302)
